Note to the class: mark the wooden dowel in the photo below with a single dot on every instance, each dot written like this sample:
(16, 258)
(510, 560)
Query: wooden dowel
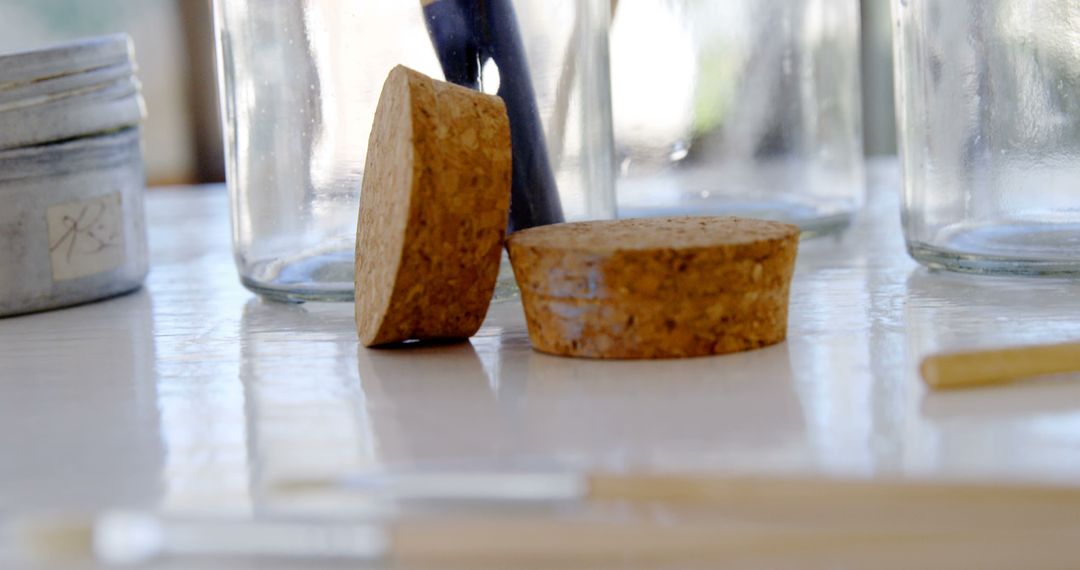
(851, 504)
(784, 502)
(617, 540)
(532, 542)
(990, 367)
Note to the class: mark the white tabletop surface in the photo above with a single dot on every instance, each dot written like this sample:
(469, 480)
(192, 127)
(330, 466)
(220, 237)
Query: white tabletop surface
(192, 393)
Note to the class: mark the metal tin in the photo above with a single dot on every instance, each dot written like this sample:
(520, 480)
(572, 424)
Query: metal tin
(71, 176)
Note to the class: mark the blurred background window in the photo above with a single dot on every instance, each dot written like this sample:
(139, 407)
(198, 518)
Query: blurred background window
(174, 47)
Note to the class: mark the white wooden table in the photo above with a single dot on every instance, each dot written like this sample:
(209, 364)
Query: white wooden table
(191, 394)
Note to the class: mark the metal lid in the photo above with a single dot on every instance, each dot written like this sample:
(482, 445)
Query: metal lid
(66, 59)
(77, 155)
(69, 91)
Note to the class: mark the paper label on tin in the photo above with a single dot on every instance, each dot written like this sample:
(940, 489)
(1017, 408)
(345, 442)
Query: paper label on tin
(86, 237)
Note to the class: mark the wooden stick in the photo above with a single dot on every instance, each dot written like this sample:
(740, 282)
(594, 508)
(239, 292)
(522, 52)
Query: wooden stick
(535, 542)
(852, 504)
(990, 367)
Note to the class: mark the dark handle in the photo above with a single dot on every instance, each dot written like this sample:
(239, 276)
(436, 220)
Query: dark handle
(466, 35)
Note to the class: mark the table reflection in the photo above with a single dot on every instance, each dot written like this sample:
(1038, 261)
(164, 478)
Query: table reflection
(433, 405)
(970, 429)
(947, 311)
(76, 428)
(305, 412)
(495, 401)
(701, 413)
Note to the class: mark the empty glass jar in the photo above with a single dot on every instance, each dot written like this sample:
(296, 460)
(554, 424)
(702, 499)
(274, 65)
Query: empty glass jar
(747, 107)
(988, 96)
(301, 80)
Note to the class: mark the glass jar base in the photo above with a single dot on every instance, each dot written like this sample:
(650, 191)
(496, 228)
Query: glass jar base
(323, 277)
(286, 289)
(506, 289)
(299, 294)
(1014, 249)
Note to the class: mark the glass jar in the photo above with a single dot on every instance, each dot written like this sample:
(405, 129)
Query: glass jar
(988, 100)
(301, 80)
(748, 107)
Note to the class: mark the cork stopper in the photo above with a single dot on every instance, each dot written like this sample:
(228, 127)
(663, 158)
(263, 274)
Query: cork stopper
(433, 211)
(655, 288)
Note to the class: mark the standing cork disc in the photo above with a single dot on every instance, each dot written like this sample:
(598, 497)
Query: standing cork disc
(655, 288)
(433, 211)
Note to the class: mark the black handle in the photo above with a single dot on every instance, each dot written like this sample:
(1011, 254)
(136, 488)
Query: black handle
(466, 35)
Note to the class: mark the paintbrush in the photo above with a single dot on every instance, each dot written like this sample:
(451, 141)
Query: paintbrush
(467, 34)
(840, 503)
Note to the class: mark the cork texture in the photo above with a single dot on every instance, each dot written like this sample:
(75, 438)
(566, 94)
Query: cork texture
(433, 211)
(655, 288)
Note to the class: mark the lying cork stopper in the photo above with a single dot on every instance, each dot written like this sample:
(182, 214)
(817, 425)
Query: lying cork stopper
(433, 211)
(655, 288)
